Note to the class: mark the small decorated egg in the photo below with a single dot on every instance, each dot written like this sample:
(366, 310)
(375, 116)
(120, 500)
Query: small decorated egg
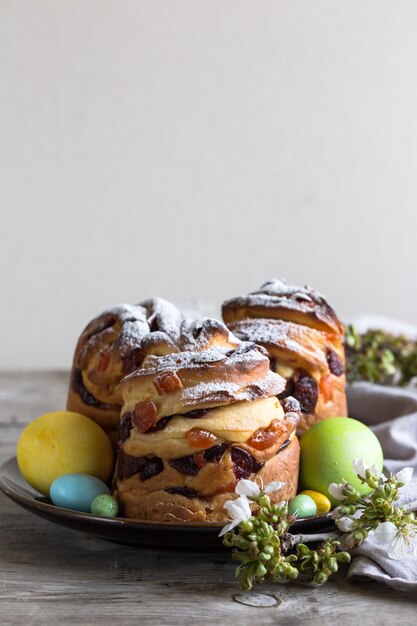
(77, 491)
(322, 502)
(302, 506)
(105, 505)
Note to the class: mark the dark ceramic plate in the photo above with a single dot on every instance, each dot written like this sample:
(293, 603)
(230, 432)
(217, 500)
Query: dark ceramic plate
(138, 532)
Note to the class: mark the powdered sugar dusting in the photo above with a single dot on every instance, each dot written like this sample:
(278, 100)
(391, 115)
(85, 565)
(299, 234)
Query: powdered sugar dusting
(247, 353)
(301, 341)
(199, 334)
(223, 391)
(276, 294)
(163, 316)
(132, 323)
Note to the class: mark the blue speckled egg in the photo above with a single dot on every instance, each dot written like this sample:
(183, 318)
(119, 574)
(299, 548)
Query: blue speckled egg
(76, 491)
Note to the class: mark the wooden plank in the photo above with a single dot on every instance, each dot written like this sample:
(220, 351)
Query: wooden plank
(50, 575)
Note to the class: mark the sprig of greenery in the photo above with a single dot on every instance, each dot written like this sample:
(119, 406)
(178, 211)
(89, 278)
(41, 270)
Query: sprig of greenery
(322, 562)
(267, 550)
(262, 547)
(380, 357)
(360, 515)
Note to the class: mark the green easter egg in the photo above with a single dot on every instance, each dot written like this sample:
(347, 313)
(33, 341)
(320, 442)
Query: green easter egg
(105, 506)
(327, 452)
(302, 506)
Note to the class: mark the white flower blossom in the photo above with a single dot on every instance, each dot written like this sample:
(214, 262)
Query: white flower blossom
(360, 467)
(335, 490)
(400, 542)
(274, 486)
(239, 510)
(250, 489)
(405, 475)
(345, 524)
(247, 488)
(336, 514)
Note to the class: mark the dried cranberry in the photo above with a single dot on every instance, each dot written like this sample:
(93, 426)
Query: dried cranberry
(186, 465)
(288, 391)
(154, 466)
(215, 453)
(335, 363)
(128, 465)
(125, 427)
(306, 392)
(196, 413)
(160, 424)
(244, 463)
(183, 491)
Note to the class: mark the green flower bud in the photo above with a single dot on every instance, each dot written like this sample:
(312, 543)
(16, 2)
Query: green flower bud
(261, 571)
(350, 491)
(332, 564)
(343, 557)
(359, 535)
(264, 500)
(247, 526)
(320, 578)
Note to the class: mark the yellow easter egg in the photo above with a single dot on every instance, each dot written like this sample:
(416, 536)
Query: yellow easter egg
(322, 502)
(60, 443)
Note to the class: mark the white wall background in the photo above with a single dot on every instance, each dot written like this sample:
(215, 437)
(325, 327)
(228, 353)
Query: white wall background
(192, 149)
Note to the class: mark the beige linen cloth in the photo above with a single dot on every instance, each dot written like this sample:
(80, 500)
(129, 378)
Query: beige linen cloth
(391, 412)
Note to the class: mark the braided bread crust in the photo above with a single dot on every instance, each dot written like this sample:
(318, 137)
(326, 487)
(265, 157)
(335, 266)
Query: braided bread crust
(110, 347)
(179, 383)
(304, 340)
(277, 300)
(195, 422)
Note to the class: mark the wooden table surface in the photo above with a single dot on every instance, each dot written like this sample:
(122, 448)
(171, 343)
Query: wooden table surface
(51, 575)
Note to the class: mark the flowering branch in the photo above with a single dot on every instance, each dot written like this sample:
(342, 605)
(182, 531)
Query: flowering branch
(266, 550)
(357, 516)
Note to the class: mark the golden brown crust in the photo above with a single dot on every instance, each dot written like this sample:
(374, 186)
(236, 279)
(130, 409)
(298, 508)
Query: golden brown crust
(196, 422)
(202, 334)
(210, 378)
(304, 340)
(295, 345)
(276, 299)
(159, 505)
(109, 348)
